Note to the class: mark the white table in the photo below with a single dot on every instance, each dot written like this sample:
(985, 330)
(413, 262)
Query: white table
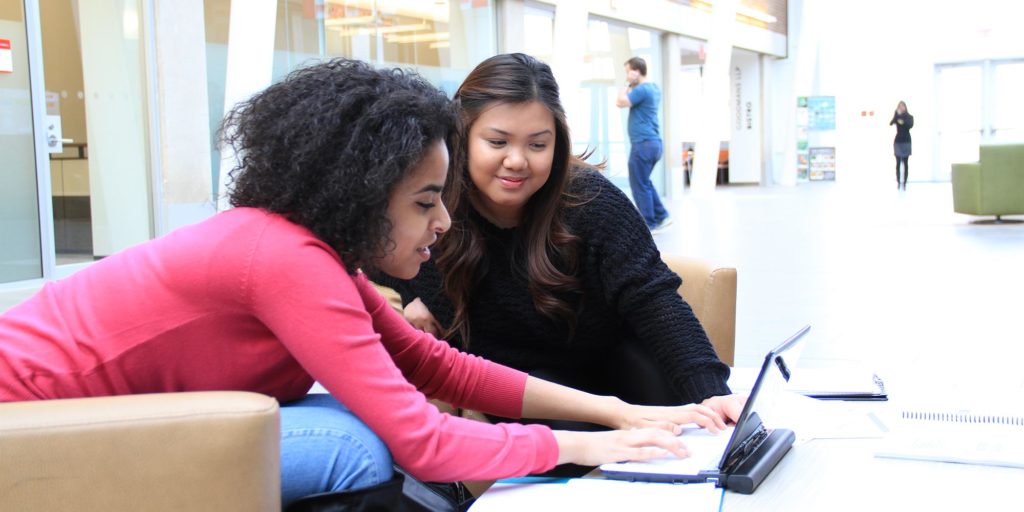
(844, 474)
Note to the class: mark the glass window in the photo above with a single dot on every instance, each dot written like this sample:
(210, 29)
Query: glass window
(595, 121)
(1008, 104)
(441, 39)
(959, 116)
(20, 253)
(99, 165)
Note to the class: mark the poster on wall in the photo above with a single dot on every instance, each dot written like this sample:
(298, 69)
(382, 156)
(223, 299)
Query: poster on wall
(6, 56)
(822, 164)
(801, 139)
(821, 112)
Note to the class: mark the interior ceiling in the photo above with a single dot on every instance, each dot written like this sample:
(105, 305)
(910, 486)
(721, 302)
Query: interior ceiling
(436, 10)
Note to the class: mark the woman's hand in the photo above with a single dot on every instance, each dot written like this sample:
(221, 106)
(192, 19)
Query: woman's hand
(727, 406)
(596, 448)
(671, 419)
(419, 316)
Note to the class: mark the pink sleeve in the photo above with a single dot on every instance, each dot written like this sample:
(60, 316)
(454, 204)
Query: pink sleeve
(300, 290)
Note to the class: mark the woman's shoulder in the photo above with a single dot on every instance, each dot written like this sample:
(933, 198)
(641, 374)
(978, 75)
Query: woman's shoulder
(597, 209)
(590, 188)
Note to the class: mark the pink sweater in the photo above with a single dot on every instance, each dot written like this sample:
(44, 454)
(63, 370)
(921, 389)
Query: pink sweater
(247, 300)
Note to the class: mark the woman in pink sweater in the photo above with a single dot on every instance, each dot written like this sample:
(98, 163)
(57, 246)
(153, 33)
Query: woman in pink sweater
(341, 167)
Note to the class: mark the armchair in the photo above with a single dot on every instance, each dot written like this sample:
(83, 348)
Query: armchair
(992, 186)
(216, 451)
(711, 292)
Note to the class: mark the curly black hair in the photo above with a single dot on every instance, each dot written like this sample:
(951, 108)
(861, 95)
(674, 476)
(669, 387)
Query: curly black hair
(326, 146)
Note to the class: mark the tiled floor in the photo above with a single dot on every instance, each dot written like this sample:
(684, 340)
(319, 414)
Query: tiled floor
(894, 280)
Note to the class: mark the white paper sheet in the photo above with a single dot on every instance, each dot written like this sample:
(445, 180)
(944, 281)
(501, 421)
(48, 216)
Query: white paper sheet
(598, 494)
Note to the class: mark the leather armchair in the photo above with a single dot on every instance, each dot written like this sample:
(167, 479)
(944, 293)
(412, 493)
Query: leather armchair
(198, 451)
(711, 292)
(992, 186)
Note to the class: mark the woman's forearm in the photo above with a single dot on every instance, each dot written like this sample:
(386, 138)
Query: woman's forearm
(550, 401)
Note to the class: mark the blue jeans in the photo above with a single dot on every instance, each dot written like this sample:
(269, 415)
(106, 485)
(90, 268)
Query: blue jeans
(642, 157)
(326, 448)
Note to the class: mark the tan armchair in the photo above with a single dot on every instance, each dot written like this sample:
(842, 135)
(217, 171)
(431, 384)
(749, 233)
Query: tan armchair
(203, 451)
(711, 292)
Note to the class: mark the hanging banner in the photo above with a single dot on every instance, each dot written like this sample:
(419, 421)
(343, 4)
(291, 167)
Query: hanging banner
(6, 56)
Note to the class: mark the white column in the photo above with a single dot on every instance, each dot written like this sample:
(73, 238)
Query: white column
(570, 44)
(112, 78)
(250, 66)
(183, 106)
(674, 116)
(714, 107)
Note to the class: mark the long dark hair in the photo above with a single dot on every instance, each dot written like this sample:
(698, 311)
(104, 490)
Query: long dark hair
(326, 146)
(549, 249)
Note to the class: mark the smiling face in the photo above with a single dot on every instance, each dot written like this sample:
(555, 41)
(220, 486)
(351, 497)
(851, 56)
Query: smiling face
(417, 214)
(511, 150)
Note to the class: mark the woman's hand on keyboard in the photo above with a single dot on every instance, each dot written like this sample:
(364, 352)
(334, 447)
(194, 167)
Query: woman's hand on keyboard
(670, 418)
(727, 406)
(596, 448)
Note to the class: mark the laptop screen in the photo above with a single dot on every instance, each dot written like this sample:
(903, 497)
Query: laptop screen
(781, 359)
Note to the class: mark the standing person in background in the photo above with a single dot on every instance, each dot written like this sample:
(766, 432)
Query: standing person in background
(901, 146)
(642, 98)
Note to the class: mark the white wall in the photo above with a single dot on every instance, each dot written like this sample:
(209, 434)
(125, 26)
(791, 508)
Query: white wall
(870, 55)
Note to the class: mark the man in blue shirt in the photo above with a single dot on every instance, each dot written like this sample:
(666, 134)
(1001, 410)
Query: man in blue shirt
(642, 98)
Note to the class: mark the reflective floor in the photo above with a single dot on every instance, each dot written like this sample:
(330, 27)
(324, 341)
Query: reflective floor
(894, 280)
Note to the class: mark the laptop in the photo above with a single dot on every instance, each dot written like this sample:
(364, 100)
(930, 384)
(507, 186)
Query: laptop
(738, 458)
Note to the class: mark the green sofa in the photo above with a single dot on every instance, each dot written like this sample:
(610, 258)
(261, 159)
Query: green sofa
(992, 186)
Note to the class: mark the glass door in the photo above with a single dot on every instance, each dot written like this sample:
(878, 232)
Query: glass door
(595, 121)
(959, 117)
(978, 103)
(21, 251)
(1008, 103)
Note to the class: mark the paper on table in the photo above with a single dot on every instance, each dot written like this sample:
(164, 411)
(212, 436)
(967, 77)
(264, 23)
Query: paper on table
(817, 419)
(958, 436)
(597, 494)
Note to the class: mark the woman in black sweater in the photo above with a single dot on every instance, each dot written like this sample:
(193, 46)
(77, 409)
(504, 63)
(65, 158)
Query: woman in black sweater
(548, 267)
(901, 146)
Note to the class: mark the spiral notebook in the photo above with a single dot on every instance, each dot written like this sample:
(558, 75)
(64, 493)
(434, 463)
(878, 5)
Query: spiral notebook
(966, 437)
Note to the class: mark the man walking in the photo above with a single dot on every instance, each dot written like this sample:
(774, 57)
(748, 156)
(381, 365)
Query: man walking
(642, 98)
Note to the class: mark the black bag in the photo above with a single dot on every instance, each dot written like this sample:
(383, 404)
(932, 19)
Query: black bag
(403, 493)
(419, 496)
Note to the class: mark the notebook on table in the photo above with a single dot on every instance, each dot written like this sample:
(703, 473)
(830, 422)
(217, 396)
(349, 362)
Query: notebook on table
(740, 457)
(962, 436)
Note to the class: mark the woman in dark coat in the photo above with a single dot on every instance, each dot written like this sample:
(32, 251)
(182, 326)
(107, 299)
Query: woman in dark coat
(901, 146)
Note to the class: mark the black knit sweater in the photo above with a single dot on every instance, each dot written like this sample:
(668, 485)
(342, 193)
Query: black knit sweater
(629, 295)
